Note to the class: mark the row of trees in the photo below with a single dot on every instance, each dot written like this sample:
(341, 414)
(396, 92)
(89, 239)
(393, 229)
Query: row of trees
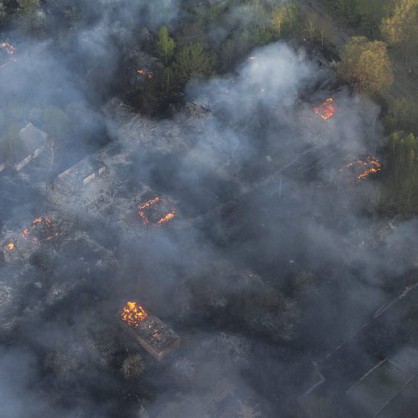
(190, 52)
(402, 174)
(392, 26)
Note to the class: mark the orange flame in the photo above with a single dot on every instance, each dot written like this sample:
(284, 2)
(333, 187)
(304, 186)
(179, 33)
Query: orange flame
(364, 168)
(167, 217)
(145, 73)
(46, 229)
(11, 246)
(149, 203)
(133, 313)
(326, 110)
(145, 217)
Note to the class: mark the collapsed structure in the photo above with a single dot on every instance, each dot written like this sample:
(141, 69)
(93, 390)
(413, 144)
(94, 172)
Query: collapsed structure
(83, 172)
(149, 331)
(156, 211)
(326, 110)
(363, 168)
(42, 229)
(34, 142)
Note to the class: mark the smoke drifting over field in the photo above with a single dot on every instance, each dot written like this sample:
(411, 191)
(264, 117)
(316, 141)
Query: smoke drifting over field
(272, 261)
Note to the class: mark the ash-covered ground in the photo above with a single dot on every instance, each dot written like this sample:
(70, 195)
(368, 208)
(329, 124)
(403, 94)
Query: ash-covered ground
(274, 256)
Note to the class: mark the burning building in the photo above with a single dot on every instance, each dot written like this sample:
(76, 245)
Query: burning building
(34, 143)
(156, 211)
(326, 110)
(141, 67)
(149, 331)
(42, 229)
(364, 168)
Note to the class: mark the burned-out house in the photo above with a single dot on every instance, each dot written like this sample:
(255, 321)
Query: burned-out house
(140, 68)
(147, 330)
(33, 144)
(83, 173)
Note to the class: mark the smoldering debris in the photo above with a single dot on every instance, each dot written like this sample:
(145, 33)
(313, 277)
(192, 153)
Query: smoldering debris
(229, 219)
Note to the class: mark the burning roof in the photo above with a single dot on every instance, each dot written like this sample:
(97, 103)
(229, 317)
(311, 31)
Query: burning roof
(364, 168)
(326, 110)
(156, 211)
(132, 314)
(147, 330)
(42, 229)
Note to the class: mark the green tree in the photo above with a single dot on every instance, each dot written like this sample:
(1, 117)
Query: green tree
(227, 53)
(31, 17)
(165, 45)
(402, 183)
(317, 28)
(194, 60)
(285, 20)
(402, 115)
(168, 80)
(367, 64)
(401, 29)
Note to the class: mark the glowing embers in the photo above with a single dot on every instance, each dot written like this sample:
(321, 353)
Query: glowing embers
(10, 246)
(132, 314)
(7, 50)
(42, 229)
(326, 110)
(364, 168)
(145, 73)
(156, 211)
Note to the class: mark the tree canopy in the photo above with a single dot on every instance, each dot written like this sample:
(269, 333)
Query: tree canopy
(402, 27)
(194, 60)
(165, 45)
(367, 64)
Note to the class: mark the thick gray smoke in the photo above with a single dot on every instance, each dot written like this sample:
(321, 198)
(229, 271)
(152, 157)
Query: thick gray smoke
(273, 249)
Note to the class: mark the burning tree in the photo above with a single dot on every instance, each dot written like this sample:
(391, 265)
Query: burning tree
(41, 229)
(326, 110)
(363, 168)
(156, 211)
